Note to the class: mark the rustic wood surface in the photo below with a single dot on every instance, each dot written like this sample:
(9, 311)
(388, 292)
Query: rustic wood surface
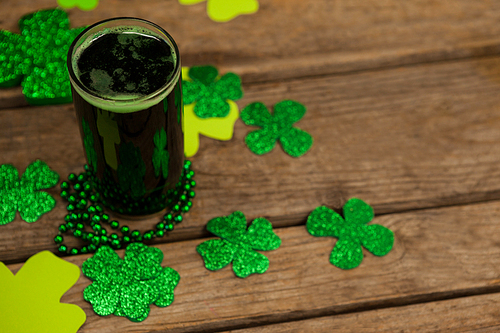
(404, 106)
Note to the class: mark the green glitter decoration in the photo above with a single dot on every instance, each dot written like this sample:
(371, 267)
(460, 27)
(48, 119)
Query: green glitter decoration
(36, 59)
(279, 126)
(131, 170)
(352, 231)
(127, 287)
(238, 244)
(210, 93)
(160, 154)
(23, 194)
(88, 144)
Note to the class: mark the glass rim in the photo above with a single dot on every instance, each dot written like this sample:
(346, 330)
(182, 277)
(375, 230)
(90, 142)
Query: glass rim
(117, 105)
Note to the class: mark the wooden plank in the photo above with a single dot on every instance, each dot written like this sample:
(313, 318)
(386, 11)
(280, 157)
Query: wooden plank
(401, 139)
(294, 38)
(469, 314)
(438, 253)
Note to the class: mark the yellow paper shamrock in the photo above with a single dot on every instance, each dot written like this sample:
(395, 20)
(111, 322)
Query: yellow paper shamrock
(215, 128)
(29, 300)
(226, 10)
(82, 4)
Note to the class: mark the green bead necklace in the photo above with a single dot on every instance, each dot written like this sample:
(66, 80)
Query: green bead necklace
(85, 209)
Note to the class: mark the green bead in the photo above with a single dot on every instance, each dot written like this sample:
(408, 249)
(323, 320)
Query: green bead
(160, 226)
(74, 251)
(105, 218)
(72, 199)
(135, 234)
(93, 198)
(114, 236)
(168, 217)
(85, 217)
(92, 248)
(87, 186)
(147, 236)
(71, 225)
(160, 233)
(191, 194)
(77, 233)
(176, 208)
(64, 186)
(70, 208)
(82, 194)
(103, 231)
(189, 204)
(96, 227)
(114, 224)
(62, 228)
(58, 239)
(67, 218)
(77, 187)
(79, 226)
(169, 227)
(96, 219)
(64, 194)
(193, 183)
(62, 248)
(84, 250)
(126, 239)
(125, 229)
(95, 240)
(72, 178)
(178, 218)
(91, 210)
(99, 208)
(185, 209)
(187, 187)
(86, 167)
(115, 244)
(104, 239)
(183, 197)
(82, 177)
(189, 176)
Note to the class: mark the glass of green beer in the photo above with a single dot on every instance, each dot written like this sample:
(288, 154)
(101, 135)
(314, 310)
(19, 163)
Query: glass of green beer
(126, 82)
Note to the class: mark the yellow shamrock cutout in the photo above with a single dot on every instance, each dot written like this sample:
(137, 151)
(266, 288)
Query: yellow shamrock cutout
(29, 300)
(82, 4)
(215, 127)
(226, 10)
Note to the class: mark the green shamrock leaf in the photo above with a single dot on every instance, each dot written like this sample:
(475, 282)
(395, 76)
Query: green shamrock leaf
(23, 194)
(209, 92)
(352, 231)
(160, 154)
(36, 59)
(131, 170)
(278, 126)
(238, 244)
(127, 287)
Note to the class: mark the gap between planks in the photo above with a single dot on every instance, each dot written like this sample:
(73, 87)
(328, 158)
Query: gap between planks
(401, 139)
(438, 254)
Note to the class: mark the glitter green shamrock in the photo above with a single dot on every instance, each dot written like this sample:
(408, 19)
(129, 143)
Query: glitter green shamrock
(352, 231)
(131, 170)
(160, 154)
(127, 287)
(278, 126)
(209, 92)
(36, 59)
(24, 194)
(238, 244)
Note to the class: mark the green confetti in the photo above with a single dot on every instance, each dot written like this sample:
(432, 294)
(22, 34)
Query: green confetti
(36, 59)
(23, 194)
(352, 231)
(278, 126)
(210, 93)
(238, 244)
(127, 287)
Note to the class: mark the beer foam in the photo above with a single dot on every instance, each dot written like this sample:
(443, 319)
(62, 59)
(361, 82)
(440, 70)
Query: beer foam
(101, 82)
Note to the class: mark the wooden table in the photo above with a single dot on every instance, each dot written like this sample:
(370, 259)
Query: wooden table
(403, 102)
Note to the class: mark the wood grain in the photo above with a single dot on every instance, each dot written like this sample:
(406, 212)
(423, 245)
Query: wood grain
(295, 38)
(438, 253)
(469, 314)
(401, 139)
